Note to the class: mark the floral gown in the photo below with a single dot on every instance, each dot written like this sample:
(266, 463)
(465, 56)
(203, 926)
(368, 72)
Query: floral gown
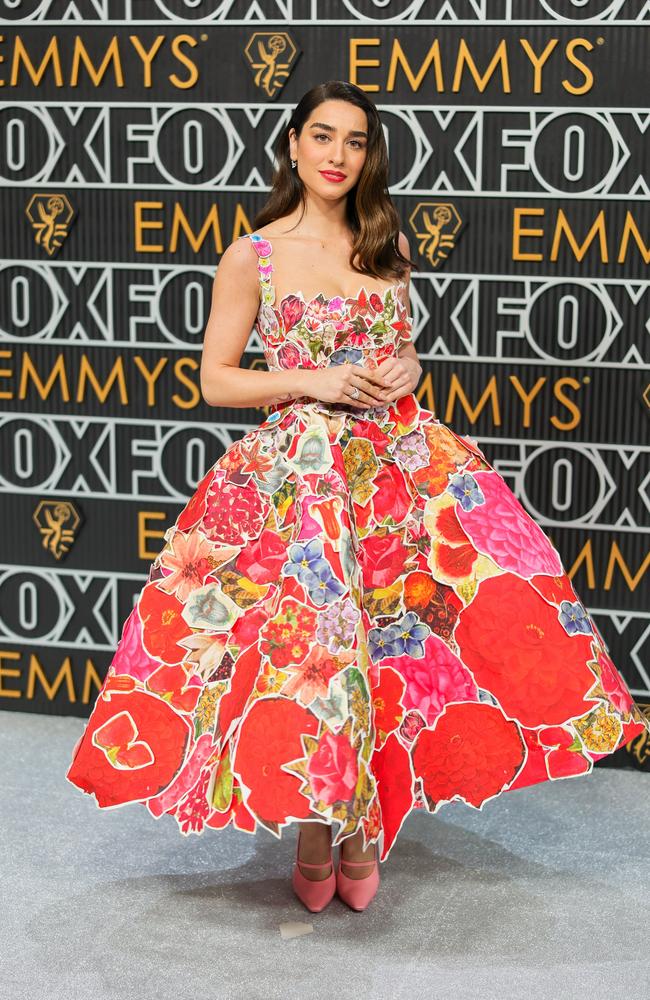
(352, 617)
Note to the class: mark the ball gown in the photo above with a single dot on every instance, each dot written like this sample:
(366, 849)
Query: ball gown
(352, 617)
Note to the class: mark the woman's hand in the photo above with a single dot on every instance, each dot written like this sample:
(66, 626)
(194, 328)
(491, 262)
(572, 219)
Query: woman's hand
(333, 385)
(402, 375)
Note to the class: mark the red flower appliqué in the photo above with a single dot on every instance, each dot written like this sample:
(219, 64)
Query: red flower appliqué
(473, 753)
(512, 641)
(269, 737)
(392, 766)
(386, 703)
(235, 514)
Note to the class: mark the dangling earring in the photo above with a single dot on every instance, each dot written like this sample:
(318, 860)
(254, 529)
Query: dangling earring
(293, 163)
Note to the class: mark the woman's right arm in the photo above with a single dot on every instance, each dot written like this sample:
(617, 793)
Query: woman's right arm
(235, 302)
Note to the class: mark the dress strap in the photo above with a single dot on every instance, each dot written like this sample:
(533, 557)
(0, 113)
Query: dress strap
(263, 249)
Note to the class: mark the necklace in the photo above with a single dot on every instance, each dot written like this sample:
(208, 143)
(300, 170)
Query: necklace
(319, 238)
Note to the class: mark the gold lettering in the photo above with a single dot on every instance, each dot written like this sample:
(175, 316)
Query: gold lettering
(180, 221)
(562, 226)
(90, 675)
(112, 55)
(586, 556)
(6, 373)
(518, 232)
(57, 372)
(631, 227)
(537, 61)
(573, 44)
(150, 377)
(35, 672)
(8, 654)
(616, 559)
(570, 405)
(145, 533)
(499, 58)
(398, 56)
(140, 224)
(456, 391)
(185, 60)
(86, 373)
(195, 394)
(147, 55)
(426, 392)
(355, 62)
(36, 75)
(525, 397)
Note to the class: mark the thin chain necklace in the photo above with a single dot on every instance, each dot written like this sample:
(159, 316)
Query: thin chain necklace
(320, 240)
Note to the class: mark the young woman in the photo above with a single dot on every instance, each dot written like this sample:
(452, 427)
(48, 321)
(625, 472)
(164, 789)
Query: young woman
(353, 616)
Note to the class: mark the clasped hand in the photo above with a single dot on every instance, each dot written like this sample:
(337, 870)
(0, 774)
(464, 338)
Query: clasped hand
(400, 374)
(392, 379)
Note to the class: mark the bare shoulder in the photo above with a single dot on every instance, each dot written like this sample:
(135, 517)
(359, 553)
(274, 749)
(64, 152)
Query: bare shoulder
(240, 250)
(238, 263)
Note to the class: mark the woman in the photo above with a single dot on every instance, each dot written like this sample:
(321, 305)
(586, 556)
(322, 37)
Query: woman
(353, 616)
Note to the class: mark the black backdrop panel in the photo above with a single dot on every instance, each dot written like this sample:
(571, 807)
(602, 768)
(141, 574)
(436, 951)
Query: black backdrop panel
(151, 125)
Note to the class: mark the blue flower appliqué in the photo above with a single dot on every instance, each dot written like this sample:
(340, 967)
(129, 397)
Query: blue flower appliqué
(306, 562)
(346, 356)
(574, 618)
(405, 636)
(464, 487)
(323, 586)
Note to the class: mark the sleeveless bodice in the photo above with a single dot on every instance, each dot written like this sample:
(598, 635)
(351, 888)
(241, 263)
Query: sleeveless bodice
(315, 333)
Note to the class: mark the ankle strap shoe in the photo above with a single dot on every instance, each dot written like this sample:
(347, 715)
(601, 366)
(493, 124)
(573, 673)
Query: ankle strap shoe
(357, 892)
(314, 894)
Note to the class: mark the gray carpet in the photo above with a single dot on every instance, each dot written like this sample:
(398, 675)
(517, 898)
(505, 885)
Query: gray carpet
(542, 894)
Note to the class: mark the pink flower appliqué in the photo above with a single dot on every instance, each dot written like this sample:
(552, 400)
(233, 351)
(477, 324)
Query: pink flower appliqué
(333, 769)
(502, 528)
(189, 562)
(434, 679)
(131, 657)
(311, 677)
(289, 356)
(292, 309)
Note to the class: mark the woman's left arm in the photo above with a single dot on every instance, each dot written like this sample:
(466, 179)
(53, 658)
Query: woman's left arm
(405, 375)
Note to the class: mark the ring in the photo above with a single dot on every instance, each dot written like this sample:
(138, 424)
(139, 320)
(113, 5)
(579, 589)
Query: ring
(354, 391)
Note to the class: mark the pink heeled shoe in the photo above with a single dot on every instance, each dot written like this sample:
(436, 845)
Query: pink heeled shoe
(357, 892)
(314, 894)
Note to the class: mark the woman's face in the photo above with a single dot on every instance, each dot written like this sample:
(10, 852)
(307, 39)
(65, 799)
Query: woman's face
(334, 138)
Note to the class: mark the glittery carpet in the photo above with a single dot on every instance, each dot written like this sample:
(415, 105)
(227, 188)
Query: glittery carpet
(541, 894)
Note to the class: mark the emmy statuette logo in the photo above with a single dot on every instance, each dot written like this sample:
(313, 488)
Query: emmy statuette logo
(270, 56)
(58, 522)
(50, 216)
(436, 225)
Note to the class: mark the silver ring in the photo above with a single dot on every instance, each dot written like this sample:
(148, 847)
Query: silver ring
(354, 391)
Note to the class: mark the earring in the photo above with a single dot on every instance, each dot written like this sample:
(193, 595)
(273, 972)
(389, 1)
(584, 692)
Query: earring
(293, 163)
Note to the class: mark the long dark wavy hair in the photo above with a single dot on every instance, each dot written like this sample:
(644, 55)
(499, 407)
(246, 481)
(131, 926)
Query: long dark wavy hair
(371, 214)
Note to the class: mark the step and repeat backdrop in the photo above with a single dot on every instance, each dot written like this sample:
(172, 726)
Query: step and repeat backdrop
(136, 144)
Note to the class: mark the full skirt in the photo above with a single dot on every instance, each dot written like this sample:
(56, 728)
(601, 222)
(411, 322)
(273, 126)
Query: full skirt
(352, 617)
